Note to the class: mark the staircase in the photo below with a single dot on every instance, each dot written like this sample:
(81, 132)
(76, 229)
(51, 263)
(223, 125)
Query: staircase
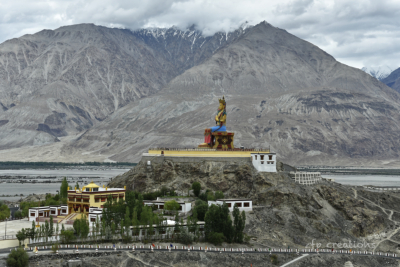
(69, 218)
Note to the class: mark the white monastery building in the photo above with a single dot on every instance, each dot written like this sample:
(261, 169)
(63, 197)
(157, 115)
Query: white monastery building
(264, 162)
(242, 204)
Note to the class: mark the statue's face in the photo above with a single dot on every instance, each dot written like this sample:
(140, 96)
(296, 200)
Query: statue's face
(221, 106)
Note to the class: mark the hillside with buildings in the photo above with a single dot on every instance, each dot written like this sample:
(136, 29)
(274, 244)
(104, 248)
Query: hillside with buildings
(283, 212)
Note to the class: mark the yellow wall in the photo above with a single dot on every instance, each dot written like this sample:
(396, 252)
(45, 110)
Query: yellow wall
(205, 153)
(11, 243)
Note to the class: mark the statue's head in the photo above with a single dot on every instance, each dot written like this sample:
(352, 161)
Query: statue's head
(222, 103)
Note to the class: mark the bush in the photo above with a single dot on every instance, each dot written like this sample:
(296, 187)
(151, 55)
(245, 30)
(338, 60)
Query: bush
(274, 259)
(196, 186)
(185, 237)
(55, 247)
(215, 238)
(18, 258)
(203, 196)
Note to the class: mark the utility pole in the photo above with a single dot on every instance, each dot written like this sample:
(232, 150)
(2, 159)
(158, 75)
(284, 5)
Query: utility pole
(5, 232)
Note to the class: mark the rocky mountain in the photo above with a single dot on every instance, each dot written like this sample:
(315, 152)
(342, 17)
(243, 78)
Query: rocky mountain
(160, 88)
(393, 80)
(281, 92)
(63, 82)
(379, 72)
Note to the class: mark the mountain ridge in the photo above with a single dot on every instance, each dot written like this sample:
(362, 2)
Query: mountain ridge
(281, 91)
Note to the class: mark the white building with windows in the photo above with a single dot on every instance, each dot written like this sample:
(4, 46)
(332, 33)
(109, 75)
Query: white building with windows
(242, 204)
(94, 213)
(184, 207)
(38, 213)
(264, 162)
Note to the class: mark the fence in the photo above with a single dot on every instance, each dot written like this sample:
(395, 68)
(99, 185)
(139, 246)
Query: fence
(215, 249)
(306, 178)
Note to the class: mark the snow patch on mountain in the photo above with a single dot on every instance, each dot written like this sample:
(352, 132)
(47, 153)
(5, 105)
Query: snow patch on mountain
(380, 72)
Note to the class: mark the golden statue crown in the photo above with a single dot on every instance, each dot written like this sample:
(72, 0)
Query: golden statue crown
(222, 100)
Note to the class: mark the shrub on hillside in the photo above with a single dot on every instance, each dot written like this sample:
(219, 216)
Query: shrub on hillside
(196, 186)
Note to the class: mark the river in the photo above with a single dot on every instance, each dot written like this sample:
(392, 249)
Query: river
(365, 179)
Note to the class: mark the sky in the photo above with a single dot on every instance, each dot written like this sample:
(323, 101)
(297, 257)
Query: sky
(359, 33)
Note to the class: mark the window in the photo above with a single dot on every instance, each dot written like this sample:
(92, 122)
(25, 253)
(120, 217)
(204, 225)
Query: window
(229, 205)
(64, 211)
(246, 204)
(239, 205)
(87, 189)
(53, 212)
(180, 207)
(41, 214)
(97, 200)
(255, 156)
(161, 207)
(95, 189)
(262, 157)
(270, 157)
(33, 214)
(93, 219)
(262, 162)
(161, 232)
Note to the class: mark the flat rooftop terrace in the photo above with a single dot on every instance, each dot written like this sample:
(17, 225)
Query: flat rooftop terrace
(199, 152)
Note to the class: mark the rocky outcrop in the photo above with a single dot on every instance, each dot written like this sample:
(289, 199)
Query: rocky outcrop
(285, 212)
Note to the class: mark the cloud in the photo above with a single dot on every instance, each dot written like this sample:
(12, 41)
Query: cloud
(358, 32)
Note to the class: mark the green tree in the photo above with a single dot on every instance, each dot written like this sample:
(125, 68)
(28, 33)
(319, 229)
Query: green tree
(64, 189)
(77, 185)
(217, 220)
(201, 208)
(46, 232)
(176, 228)
(219, 195)
(21, 236)
(239, 222)
(196, 186)
(171, 205)
(32, 232)
(67, 236)
(18, 258)
(18, 214)
(84, 228)
(4, 212)
(210, 196)
(51, 228)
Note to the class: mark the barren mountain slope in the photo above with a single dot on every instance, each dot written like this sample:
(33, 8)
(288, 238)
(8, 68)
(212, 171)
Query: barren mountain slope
(62, 82)
(281, 92)
(393, 80)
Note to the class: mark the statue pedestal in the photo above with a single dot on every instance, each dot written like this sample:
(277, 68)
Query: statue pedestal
(217, 140)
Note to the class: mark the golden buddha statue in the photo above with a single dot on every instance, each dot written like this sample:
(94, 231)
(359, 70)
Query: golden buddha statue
(216, 137)
(220, 118)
